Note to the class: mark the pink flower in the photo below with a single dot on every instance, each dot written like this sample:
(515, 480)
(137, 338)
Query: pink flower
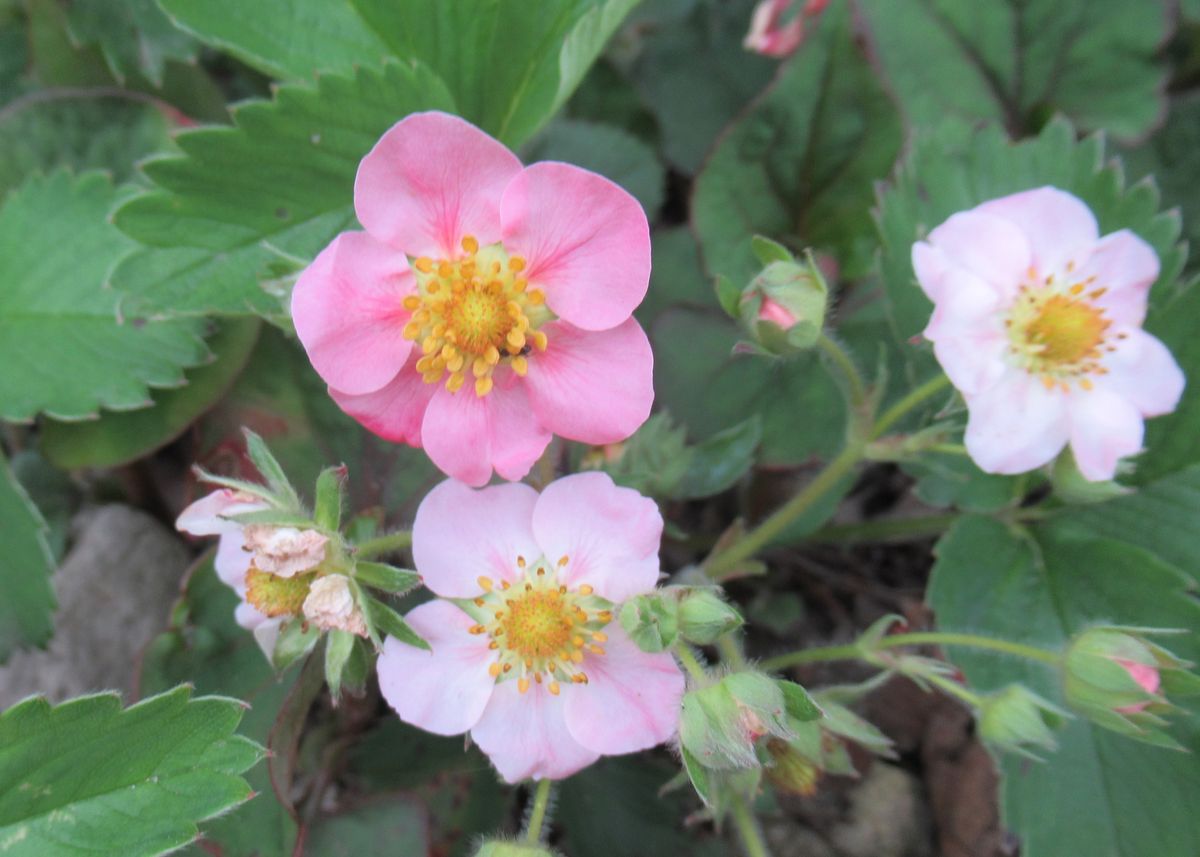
(284, 551)
(1037, 321)
(768, 34)
(1147, 678)
(529, 660)
(513, 321)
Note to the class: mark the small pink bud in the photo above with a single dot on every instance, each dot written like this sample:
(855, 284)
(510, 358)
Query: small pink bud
(1147, 678)
(774, 312)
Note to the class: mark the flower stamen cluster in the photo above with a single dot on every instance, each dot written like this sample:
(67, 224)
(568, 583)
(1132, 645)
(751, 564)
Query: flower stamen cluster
(541, 628)
(1057, 330)
(474, 314)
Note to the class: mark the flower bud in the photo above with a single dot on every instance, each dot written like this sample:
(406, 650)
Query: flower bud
(650, 620)
(783, 308)
(721, 725)
(1119, 679)
(1017, 719)
(512, 849)
(704, 616)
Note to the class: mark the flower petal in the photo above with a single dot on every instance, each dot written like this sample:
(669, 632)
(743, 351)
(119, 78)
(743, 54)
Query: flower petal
(430, 180)
(1015, 425)
(233, 560)
(1058, 226)
(461, 535)
(609, 534)
(1105, 427)
(348, 312)
(973, 359)
(930, 265)
(209, 516)
(395, 411)
(1126, 266)
(964, 299)
(467, 435)
(990, 247)
(525, 735)
(631, 701)
(445, 690)
(586, 240)
(1145, 373)
(592, 386)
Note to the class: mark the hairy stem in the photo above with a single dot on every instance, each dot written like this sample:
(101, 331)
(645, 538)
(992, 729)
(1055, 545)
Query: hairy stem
(748, 829)
(382, 545)
(537, 816)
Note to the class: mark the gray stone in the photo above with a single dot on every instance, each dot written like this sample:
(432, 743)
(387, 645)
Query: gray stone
(888, 817)
(115, 589)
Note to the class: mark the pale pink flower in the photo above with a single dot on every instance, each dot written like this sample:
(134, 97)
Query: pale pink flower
(1038, 323)
(513, 322)
(1147, 678)
(284, 551)
(330, 605)
(770, 36)
(530, 661)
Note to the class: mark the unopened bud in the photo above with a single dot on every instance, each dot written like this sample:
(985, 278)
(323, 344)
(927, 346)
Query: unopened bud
(721, 725)
(783, 308)
(650, 620)
(1121, 680)
(512, 849)
(704, 616)
(1017, 719)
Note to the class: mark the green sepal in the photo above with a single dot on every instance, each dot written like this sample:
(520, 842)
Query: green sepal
(729, 296)
(274, 518)
(379, 575)
(768, 251)
(296, 639)
(798, 703)
(382, 619)
(650, 620)
(271, 470)
(330, 498)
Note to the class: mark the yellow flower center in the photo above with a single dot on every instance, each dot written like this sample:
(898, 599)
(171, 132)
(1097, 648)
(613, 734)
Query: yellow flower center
(473, 314)
(1059, 332)
(273, 595)
(539, 628)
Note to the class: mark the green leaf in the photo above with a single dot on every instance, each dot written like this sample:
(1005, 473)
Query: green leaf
(950, 479)
(801, 165)
(282, 38)
(694, 74)
(700, 384)
(388, 578)
(69, 793)
(279, 183)
(676, 276)
(26, 597)
(62, 345)
(134, 36)
(988, 580)
(609, 151)
(86, 131)
(119, 438)
(56, 496)
(1159, 518)
(205, 647)
(386, 824)
(614, 809)
(719, 462)
(510, 66)
(1018, 62)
